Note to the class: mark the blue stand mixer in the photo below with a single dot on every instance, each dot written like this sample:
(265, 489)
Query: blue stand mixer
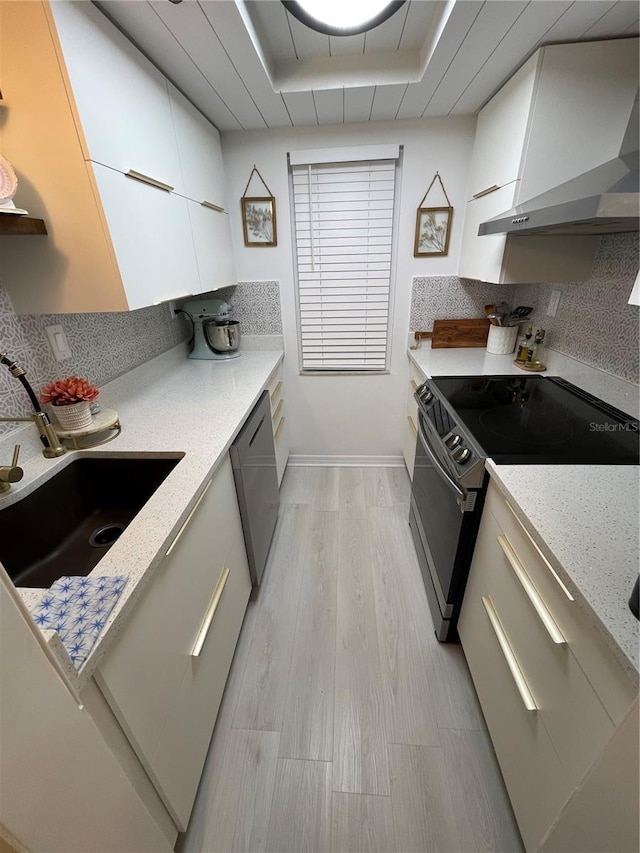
(215, 336)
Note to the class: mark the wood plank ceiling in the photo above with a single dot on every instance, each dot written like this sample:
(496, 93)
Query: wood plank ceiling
(249, 64)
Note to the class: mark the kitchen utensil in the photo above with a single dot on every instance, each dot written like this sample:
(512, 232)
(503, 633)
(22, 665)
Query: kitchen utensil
(490, 312)
(517, 316)
(501, 312)
(457, 333)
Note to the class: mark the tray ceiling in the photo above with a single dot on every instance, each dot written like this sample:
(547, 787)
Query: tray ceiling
(249, 64)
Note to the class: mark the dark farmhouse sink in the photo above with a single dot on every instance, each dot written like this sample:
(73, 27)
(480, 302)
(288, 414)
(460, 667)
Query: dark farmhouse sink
(68, 524)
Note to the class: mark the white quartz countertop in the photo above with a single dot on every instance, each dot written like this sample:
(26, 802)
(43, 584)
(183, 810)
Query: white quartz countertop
(583, 517)
(585, 520)
(167, 406)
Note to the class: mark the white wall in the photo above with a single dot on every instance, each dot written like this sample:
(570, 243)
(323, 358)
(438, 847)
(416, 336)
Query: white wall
(350, 415)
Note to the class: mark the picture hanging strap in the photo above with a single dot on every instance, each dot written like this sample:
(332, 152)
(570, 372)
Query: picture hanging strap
(436, 176)
(255, 169)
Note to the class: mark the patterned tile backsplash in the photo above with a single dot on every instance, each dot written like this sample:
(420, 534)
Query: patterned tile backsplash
(256, 304)
(450, 297)
(104, 346)
(593, 323)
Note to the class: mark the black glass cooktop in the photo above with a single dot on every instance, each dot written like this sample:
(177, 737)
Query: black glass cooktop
(540, 419)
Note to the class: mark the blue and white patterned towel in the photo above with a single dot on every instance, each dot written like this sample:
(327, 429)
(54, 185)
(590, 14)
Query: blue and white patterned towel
(77, 608)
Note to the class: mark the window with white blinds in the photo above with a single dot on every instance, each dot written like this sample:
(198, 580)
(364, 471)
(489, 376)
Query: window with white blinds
(344, 216)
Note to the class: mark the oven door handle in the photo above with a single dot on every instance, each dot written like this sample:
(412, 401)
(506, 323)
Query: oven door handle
(462, 495)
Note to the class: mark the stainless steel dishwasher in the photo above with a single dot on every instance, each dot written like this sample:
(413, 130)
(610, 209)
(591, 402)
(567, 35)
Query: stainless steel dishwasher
(253, 457)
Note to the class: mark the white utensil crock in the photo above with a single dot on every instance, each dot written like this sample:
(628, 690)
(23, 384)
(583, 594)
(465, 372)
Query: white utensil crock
(502, 339)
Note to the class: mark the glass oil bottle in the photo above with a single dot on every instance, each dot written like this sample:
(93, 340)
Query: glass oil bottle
(524, 345)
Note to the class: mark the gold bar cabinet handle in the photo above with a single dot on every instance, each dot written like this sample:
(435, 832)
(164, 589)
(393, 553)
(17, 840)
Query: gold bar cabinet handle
(279, 428)
(414, 428)
(514, 667)
(414, 384)
(211, 612)
(147, 179)
(531, 592)
(486, 191)
(188, 518)
(554, 574)
(276, 414)
(276, 390)
(212, 206)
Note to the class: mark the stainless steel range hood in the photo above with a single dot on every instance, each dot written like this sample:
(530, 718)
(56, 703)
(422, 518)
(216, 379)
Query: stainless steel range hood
(604, 200)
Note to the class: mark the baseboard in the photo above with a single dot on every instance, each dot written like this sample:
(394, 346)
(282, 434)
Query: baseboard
(347, 461)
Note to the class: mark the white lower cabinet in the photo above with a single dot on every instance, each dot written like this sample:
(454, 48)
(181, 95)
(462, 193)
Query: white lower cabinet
(411, 429)
(61, 786)
(538, 667)
(275, 388)
(165, 674)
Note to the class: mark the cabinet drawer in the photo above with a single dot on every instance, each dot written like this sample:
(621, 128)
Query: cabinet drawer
(537, 783)
(275, 387)
(416, 377)
(178, 761)
(572, 714)
(143, 671)
(610, 682)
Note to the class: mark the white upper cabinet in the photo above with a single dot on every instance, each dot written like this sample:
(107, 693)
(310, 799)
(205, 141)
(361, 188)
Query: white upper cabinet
(159, 257)
(200, 152)
(563, 113)
(501, 132)
(121, 98)
(214, 253)
(101, 150)
(203, 176)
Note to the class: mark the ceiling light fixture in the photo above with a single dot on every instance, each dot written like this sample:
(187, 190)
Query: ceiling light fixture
(342, 17)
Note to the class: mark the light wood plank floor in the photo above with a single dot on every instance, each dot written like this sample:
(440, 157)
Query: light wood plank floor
(345, 726)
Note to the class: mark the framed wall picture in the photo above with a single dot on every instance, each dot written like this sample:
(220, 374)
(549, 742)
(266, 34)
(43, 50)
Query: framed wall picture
(433, 229)
(259, 221)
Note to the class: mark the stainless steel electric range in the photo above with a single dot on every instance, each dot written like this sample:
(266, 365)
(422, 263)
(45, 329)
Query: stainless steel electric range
(463, 420)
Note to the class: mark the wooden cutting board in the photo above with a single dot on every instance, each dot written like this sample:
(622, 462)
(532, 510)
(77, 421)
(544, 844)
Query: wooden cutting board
(457, 333)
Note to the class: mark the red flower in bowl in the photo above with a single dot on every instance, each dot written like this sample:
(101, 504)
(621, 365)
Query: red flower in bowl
(64, 392)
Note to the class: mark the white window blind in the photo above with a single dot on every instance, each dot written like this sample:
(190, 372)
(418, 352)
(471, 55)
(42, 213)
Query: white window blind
(343, 234)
